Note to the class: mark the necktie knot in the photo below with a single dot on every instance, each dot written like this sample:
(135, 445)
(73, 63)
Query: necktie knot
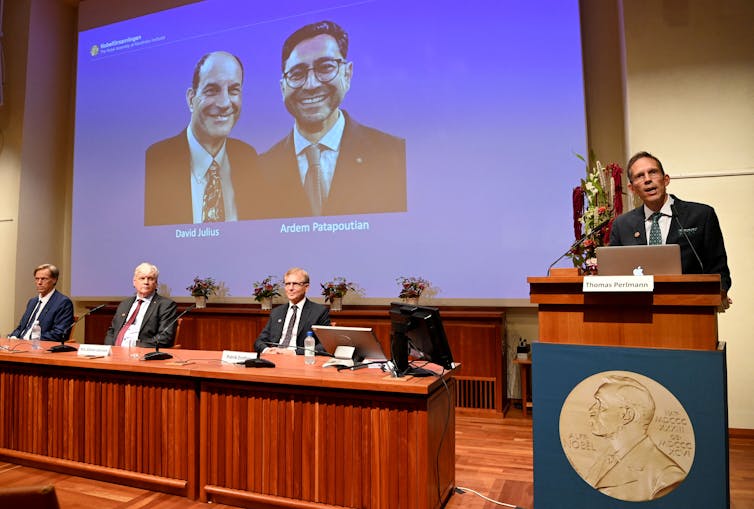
(313, 154)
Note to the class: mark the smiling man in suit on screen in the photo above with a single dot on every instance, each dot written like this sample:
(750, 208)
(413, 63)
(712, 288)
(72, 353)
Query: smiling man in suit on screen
(329, 164)
(202, 175)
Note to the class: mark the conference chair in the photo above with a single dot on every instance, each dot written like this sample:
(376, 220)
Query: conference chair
(73, 329)
(29, 497)
(176, 343)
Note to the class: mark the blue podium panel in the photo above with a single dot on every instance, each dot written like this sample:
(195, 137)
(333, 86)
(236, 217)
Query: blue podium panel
(629, 427)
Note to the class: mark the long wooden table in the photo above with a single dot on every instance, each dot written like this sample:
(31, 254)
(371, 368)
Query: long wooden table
(476, 336)
(291, 436)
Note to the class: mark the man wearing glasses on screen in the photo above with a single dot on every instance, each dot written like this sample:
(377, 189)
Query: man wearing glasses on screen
(288, 324)
(329, 164)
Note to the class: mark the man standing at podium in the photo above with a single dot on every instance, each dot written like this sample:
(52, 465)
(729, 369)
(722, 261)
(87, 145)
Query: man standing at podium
(288, 324)
(666, 219)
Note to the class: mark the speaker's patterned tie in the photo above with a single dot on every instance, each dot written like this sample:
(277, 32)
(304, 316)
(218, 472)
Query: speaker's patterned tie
(213, 208)
(313, 179)
(655, 236)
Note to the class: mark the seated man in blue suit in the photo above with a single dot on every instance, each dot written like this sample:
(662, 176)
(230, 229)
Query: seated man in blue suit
(329, 164)
(692, 225)
(288, 324)
(52, 309)
(146, 318)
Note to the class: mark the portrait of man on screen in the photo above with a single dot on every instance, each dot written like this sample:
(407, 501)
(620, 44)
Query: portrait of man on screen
(201, 175)
(329, 164)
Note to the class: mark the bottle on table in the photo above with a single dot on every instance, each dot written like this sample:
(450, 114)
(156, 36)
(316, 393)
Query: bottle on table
(36, 335)
(309, 348)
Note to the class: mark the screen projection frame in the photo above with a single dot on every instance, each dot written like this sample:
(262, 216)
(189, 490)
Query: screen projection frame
(490, 101)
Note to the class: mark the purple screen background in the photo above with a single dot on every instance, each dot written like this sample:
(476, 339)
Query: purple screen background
(488, 95)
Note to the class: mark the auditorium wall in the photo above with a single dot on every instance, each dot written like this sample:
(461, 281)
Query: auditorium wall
(673, 77)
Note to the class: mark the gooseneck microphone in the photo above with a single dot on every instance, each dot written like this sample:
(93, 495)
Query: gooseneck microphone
(62, 347)
(265, 363)
(683, 232)
(157, 355)
(579, 242)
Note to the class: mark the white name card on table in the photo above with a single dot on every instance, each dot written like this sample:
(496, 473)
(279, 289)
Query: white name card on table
(232, 357)
(618, 284)
(95, 350)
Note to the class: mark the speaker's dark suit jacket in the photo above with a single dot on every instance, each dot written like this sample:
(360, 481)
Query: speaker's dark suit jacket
(159, 314)
(55, 320)
(167, 183)
(370, 176)
(702, 228)
(311, 314)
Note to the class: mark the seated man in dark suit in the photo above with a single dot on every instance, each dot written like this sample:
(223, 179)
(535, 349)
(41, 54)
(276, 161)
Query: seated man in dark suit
(201, 174)
(146, 318)
(52, 309)
(329, 164)
(692, 225)
(288, 324)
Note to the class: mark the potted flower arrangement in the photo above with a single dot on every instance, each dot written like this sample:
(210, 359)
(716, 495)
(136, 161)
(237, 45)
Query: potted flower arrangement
(411, 288)
(596, 204)
(265, 290)
(335, 290)
(202, 288)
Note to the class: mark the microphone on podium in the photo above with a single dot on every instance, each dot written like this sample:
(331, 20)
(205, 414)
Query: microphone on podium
(579, 242)
(157, 355)
(62, 347)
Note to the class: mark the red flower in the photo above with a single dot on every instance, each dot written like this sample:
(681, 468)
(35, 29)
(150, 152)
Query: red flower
(578, 209)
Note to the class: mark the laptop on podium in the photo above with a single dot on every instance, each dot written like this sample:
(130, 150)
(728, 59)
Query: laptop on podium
(663, 260)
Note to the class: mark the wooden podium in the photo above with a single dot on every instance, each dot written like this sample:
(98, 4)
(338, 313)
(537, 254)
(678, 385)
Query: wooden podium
(681, 313)
(665, 341)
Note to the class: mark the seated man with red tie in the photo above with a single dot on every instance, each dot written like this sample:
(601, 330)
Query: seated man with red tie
(288, 324)
(52, 309)
(146, 318)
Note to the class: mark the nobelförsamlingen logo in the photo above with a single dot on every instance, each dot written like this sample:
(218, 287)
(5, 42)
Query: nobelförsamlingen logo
(94, 51)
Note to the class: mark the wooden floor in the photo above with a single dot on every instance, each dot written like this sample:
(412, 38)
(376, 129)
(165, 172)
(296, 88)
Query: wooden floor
(493, 457)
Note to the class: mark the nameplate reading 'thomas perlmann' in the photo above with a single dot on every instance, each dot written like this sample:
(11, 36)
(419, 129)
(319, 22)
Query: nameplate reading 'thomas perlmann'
(618, 284)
